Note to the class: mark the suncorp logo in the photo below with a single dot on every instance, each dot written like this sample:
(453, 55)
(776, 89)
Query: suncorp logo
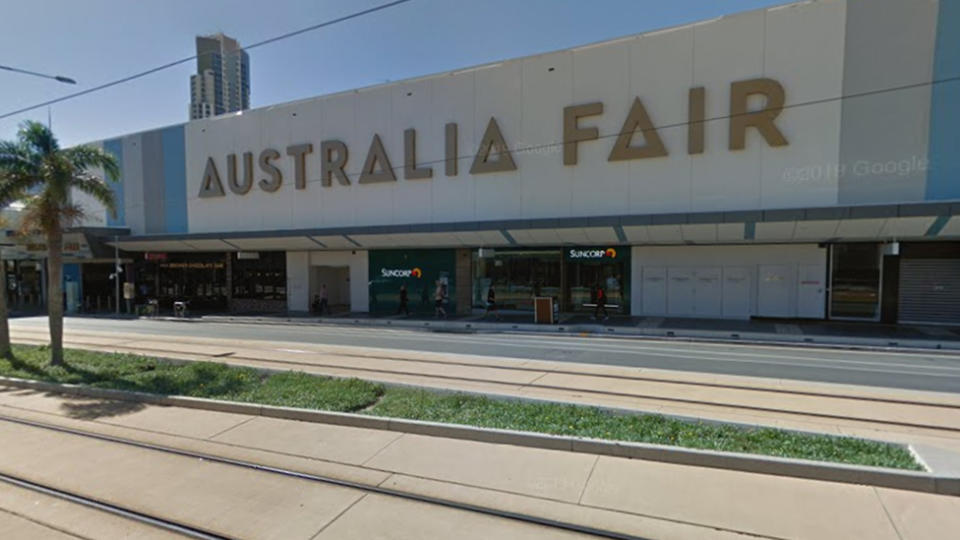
(593, 253)
(401, 272)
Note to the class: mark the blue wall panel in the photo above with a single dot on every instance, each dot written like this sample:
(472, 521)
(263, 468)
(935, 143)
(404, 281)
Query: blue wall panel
(115, 147)
(174, 180)
(943, 179)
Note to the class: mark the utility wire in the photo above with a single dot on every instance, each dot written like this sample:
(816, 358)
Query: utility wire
(533, 148)
(194, 57)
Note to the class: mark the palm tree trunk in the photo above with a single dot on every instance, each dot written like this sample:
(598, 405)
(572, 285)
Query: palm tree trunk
(4, 326)
(55, 295)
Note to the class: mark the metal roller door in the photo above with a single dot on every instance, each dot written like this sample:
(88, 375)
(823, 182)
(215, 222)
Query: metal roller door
(929, 291)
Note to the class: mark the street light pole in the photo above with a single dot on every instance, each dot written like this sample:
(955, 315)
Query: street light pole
(116, 268)
(59, 78)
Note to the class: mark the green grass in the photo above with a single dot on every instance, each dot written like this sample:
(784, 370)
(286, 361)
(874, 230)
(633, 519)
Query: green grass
(581, 421)
(217, 381)
(194, 379)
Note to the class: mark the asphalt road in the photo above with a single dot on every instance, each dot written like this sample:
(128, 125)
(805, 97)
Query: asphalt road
(911, 370)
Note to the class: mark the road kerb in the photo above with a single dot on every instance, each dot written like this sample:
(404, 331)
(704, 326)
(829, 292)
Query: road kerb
(924, 482)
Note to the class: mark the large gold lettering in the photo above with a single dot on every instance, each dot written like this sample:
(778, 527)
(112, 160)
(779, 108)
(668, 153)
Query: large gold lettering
(573, 134)
(763, 119)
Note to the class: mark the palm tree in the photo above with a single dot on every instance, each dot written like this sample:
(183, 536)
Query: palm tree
(36, 170)
(5, 350)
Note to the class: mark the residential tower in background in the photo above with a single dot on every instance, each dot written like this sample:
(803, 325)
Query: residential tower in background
(222, 82)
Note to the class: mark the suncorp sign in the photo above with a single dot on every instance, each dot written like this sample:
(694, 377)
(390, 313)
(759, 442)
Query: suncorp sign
(592, 254)
(401, 272)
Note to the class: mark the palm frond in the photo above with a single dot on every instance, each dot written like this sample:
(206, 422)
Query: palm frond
(98, 189)
(90, 157)
(38, 137)
(14, 188)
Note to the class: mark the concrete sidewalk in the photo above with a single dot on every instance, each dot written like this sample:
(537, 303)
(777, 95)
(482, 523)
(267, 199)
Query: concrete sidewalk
(647, 499)
(820, 333)
(928, 420)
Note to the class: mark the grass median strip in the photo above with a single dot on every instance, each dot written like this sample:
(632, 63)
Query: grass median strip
(231, 383)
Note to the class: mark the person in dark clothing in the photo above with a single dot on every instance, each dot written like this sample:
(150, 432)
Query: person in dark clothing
(601, 303)
(492, 303)
(324, 300)
(403, 301)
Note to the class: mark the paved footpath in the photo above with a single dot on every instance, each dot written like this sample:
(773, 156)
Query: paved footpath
(646, 499)
(928, 420)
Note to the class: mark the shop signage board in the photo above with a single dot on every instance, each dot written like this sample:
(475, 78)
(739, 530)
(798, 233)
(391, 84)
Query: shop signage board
(418, 270)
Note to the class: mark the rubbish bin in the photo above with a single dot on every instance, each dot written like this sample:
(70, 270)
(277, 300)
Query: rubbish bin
(543, 312)
(180, 308)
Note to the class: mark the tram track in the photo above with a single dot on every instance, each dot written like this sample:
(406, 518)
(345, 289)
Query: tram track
(192, 531)
(447, 380)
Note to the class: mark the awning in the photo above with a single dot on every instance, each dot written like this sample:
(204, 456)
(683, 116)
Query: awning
(922, 221)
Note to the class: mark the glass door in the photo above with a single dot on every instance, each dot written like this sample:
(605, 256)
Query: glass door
(855, 281)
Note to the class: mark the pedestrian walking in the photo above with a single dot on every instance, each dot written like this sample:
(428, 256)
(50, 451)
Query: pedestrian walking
(324, 300)
(601, 304)
(492, 303)
(403, 301)
(439, 296)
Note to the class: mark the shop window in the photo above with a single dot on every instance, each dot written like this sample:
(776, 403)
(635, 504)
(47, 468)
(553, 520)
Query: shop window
(855, 281)
(517, 276)
(260, 278)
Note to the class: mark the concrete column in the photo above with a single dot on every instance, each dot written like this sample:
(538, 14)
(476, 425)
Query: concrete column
(228, 268)
(298, 281)
(464, 280)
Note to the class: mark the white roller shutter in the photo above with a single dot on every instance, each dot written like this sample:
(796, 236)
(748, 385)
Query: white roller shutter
(929, 291)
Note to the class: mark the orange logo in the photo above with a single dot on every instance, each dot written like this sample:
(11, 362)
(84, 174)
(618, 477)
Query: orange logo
(417, 273)
(612, 253)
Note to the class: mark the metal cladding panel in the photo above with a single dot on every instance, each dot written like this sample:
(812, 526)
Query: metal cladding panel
(153, 183)
(174, 180)
(943, 181)
(886, 117)
(929, 291)
(115, 147)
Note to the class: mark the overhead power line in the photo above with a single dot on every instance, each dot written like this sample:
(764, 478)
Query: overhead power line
(194, 57)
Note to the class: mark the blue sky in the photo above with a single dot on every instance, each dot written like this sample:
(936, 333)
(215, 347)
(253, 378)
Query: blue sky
(95, 41)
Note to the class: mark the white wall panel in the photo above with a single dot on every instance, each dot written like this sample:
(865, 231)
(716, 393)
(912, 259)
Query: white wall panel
(453, 101)
(547, 186)
(726, 50)
(802, 41)
(413, 200)
(740, 263)
(499, 90)
(663, 184)
(801, 46)
(602, 73)
(340, 204)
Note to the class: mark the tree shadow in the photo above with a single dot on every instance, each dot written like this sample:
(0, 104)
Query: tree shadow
(77, 407)
(92, 409)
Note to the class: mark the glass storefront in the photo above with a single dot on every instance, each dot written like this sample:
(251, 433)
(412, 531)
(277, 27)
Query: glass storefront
(588, 269)
(570, 275)
(259, 276)
(517, 275)
(855, 281)
(24, 285)
(200, 278)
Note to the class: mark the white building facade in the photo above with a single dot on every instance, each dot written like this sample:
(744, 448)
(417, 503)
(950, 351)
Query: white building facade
(796, 162)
